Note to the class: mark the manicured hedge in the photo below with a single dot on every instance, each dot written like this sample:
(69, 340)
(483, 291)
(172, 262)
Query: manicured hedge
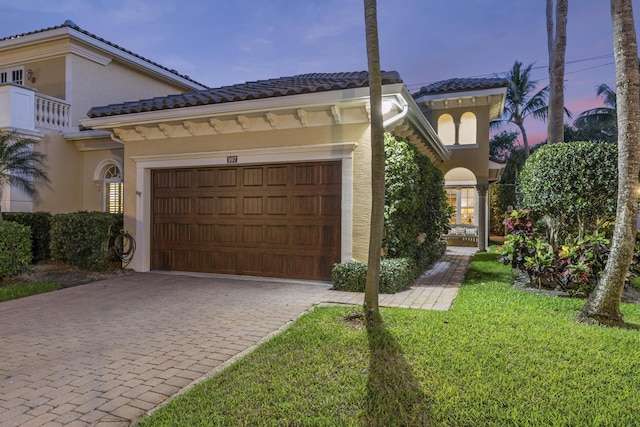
(416, 215)
(572, 186)
(15, 247)
(416, 209)
(84, 239)
(40, 224)
(395, 275)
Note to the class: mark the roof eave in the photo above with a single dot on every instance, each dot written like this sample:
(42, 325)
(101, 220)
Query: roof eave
(337, 97)
(78, 36)
(417, 121)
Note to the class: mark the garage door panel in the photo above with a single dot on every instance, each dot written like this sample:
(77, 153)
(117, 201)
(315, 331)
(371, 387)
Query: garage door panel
(253, 234)
(305, 205)
(304, 235)
(180, 260)
(277, 176)
(329, 205)
(206, 232)
(268, 220)
(275, 265)
(252, 177)
(276, 235)
(205, 205)
(277, 205)
(331, 174)
(330, 237)
(306, 175)
(252, 205)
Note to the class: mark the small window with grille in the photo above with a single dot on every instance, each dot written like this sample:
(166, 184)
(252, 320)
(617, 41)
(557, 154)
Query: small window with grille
(12, 75)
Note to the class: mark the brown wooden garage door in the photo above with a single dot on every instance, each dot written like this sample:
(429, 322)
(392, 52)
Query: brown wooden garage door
(263, 220)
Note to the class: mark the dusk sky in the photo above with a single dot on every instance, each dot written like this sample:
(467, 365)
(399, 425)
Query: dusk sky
(226, 42)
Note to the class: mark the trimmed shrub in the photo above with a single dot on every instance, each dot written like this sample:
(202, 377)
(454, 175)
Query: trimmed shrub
(15, 247)
(395, 275)
(416, 210)
(83, 239)
(40, 224)
(572, 186)
(503, 196)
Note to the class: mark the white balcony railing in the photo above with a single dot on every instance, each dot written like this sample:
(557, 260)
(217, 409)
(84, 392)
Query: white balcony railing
(51, 113)
(24, 108)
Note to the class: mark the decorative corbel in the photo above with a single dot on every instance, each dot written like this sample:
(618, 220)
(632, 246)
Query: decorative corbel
(303, 117)
(272, 119)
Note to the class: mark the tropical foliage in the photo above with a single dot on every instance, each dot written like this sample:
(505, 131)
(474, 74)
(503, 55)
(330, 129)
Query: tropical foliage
(416, 209)
(20, 165)
(501, 144)
(575, 267)
(600, 123)
(416, 215)
(523, 101)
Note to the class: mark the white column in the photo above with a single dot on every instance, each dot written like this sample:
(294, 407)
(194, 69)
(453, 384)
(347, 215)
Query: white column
(482, 216)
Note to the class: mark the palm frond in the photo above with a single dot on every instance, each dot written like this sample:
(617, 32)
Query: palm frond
(608, 95)
(20, 165)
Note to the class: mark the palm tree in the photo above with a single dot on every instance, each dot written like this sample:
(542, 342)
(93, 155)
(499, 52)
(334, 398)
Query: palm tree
(377, 161)
(557, 44)
(604, 118)
(20, 165)
(522, 101)
(603, 305)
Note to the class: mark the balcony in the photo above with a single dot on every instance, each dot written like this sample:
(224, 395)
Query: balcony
(23, 108)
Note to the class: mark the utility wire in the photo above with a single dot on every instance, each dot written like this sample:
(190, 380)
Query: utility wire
(591, 58)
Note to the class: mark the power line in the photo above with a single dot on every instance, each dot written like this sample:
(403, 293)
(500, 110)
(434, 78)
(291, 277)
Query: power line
(576, 61)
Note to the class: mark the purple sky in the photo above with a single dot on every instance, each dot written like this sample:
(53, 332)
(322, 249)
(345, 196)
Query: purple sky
(233, 41)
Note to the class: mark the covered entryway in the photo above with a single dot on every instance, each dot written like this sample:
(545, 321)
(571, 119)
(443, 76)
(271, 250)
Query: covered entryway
(277, 220)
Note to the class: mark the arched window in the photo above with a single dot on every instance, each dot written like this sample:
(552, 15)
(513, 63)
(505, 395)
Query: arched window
(460, 186)
(113, 189)
(446, 129)
(468, 126)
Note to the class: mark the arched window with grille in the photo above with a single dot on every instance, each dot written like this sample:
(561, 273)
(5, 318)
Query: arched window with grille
(113, 189)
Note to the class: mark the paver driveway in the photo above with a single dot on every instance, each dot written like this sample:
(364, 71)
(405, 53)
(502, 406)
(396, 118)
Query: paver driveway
(107, 352)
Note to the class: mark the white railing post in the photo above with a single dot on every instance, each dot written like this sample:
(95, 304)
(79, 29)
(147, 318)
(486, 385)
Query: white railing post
(52, 113)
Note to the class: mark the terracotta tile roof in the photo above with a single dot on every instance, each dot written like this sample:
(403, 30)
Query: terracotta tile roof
(71, 24)
(283, 86)
(462, 85)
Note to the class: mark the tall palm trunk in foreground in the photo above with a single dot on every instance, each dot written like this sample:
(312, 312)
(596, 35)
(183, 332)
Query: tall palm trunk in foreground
(377, 159)
(603, 306)
(557, 44)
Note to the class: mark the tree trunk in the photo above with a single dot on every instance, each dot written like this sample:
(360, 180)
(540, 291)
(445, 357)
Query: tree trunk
(377, 159)
(557, 44)
(525, 141)
(603, 306)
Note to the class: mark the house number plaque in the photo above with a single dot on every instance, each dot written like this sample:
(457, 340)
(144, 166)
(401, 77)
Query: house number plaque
(232, 159)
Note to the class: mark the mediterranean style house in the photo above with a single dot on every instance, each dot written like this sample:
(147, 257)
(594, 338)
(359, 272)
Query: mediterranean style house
(267, 178)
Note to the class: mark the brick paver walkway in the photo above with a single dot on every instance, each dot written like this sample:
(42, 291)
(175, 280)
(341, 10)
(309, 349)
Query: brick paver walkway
(105, 353)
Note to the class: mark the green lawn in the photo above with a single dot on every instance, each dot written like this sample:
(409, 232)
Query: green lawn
(20, 290)
(499, 357)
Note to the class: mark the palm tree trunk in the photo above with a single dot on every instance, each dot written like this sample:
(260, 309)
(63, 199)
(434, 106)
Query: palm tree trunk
(557, 44)
(377, 160)
(525, 141)
(603, 306)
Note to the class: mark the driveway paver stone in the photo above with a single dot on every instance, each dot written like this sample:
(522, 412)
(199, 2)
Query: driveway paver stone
(105, 353)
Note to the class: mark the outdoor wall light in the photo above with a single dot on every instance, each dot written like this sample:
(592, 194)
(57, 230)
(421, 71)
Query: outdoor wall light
(31, 76)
